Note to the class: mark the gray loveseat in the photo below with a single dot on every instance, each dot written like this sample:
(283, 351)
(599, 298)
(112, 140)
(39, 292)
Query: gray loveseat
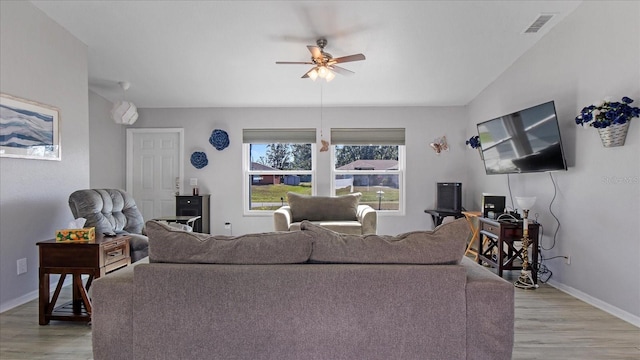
(309, 294)
(343, 214)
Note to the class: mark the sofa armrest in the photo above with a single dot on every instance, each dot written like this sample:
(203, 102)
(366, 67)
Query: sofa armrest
(368, 217)
(490, 314)
(282, 218)
(112, 316)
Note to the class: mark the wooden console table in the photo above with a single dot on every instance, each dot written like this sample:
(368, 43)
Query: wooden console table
(500, 237)
(94, 258)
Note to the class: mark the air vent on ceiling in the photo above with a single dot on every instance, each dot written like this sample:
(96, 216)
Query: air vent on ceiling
(538, 23)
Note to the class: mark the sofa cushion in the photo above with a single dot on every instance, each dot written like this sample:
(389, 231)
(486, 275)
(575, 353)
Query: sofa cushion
(444, 245)
(170, 245)
(323, 208)
(343, 227)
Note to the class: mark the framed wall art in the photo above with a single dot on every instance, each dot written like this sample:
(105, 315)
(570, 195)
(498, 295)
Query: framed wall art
(28, 130)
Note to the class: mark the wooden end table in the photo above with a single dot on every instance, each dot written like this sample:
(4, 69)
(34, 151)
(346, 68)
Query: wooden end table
(500, 237)
(94, 258)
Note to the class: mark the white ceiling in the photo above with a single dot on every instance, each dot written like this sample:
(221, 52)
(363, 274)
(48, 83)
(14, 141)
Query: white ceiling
(223, 53)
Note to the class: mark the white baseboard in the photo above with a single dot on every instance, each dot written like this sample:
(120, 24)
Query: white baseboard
(8, 305)
(606, 307)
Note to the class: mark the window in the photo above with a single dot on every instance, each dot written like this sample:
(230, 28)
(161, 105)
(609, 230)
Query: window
(277, 161)
(370, 161)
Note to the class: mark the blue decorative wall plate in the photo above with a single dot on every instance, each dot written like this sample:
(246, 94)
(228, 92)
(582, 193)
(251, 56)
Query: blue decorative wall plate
(199, 159)
(219, 139)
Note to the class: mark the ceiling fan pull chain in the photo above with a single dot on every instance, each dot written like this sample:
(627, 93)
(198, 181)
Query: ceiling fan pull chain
(324, 144)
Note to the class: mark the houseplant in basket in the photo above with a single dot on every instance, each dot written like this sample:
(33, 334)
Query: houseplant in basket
(611, 118)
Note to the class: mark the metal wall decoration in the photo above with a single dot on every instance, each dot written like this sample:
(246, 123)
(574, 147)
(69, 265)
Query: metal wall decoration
(440, 144)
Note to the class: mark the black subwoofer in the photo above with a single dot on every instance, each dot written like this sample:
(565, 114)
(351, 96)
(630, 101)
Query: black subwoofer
(449, 196)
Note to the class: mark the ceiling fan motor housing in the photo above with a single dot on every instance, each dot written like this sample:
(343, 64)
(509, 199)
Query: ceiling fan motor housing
(325, 55)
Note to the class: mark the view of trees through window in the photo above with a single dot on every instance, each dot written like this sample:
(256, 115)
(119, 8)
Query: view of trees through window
(372, 170)
(349, 154)
(284, 156)
(277, 169)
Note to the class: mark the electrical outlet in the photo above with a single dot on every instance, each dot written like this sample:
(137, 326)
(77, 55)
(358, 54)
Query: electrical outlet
(568, 259)
(22, 266)
(193, 181)
(227, 225)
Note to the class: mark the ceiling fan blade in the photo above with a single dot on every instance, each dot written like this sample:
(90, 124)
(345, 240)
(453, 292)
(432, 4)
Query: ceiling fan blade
(306, 75)
(344, 59)
(294, 62)
(315, 51)
(341, 70)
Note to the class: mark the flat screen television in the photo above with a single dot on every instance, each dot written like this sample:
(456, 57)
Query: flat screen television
(524, 141)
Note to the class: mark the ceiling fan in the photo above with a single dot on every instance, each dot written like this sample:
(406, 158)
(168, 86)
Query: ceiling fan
(325, 63)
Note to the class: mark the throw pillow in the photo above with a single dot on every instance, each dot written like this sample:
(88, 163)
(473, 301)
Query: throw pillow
(445, 245)
(323, 208)
(170, 245)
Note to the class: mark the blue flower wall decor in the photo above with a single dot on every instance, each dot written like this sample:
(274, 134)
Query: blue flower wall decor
(199, 159)
(608, 113)
(219, 139)
(473, 142)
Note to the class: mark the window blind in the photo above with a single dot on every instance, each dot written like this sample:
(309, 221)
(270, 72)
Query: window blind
(380, 136)
(268, 136)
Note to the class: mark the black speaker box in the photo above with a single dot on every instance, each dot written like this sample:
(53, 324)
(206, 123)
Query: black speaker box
(449, 196)
(492, 204)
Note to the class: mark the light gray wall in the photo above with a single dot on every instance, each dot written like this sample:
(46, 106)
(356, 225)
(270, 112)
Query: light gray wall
(107, 146)
(594, 53)
(222, 178)
(39, 61)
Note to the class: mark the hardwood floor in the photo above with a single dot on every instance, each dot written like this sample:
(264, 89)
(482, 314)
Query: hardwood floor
(22, 338)
(549, 325)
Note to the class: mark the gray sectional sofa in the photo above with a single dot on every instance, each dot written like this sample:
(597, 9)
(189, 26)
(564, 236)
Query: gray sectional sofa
(308, 294)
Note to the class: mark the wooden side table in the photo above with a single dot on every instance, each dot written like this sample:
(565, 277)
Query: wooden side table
(500, 237)
(95, 258)
(475, 232)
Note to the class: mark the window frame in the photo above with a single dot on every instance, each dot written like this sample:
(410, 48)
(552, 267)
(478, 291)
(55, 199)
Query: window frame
(400, 172)
(248, 173)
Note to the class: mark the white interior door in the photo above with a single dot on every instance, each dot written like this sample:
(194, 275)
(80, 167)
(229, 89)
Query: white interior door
(154, 169)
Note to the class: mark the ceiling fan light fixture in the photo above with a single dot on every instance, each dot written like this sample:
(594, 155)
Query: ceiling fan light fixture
(313, 74)
(324, 64)
(330, 75)
(322, 72)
